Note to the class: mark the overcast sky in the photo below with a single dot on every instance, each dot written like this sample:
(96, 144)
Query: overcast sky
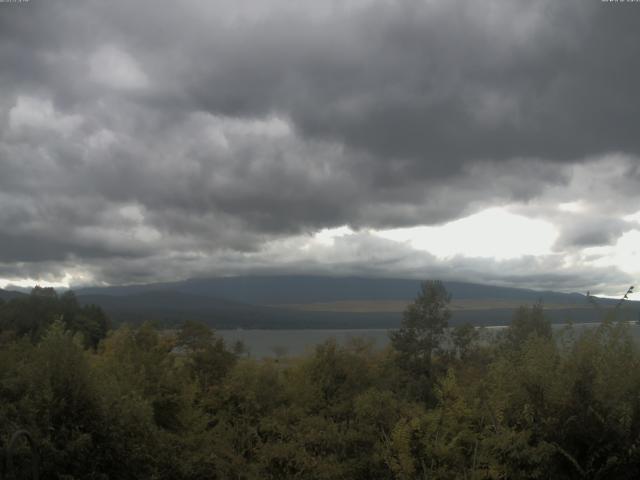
(490, 141)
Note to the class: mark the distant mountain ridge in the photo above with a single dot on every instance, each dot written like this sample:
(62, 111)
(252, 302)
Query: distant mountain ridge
(269, 290)
(9, 294)
(304, 301)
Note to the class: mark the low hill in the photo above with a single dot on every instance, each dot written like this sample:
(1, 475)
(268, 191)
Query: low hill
(9, 294)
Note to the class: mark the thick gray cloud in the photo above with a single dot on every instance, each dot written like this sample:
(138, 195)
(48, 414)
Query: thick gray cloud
(148, 139)
(590, 231)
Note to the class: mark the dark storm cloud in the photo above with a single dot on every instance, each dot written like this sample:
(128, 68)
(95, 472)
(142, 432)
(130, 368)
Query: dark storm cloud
(146, 137)
(591, 230)
(427, 86)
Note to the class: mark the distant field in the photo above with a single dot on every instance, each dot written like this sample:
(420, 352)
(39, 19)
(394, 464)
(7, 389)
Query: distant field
(396, 306)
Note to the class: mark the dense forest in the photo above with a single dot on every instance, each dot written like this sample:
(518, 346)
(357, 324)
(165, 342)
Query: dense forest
(438, 403)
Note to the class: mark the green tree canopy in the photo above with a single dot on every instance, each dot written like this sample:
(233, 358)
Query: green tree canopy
(31, 315)
(528, 321)
(421, 332)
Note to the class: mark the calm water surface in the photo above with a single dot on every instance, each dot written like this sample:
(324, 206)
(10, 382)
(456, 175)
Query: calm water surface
(269, 343)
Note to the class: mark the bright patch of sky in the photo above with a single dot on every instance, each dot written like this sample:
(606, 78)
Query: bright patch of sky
(494, 233)
(572, 207)
(27, 283)
(327, 236)
(625, 255)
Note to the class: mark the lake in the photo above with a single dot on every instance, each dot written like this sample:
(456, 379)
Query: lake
(270, 343)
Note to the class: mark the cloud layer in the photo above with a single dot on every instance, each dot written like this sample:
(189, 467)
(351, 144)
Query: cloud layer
(149, 140)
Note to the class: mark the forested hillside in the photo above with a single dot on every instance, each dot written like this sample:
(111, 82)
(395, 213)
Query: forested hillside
(142, 403)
